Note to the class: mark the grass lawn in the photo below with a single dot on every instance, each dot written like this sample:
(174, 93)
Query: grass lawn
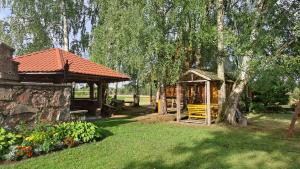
(139, 144)
(144, 100)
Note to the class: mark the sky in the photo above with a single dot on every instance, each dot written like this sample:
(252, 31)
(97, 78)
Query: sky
(4, 13)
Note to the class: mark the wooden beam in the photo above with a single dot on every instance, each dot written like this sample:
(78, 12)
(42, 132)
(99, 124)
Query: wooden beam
(178, 100)
(194, 81)
(208, 107)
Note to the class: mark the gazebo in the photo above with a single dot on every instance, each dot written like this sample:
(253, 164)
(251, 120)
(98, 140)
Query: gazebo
(198, 90)
(58, 66)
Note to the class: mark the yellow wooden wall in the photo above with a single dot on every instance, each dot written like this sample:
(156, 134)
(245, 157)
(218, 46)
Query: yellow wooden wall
(191, 90)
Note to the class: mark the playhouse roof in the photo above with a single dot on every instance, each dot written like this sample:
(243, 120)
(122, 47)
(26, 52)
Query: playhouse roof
(204, 74)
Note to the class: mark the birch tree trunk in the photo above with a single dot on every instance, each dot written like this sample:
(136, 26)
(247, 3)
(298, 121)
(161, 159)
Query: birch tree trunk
(136, 99)
(295, 117)
(238, 88)
(65, 28)
(221, 54)
(163, 100)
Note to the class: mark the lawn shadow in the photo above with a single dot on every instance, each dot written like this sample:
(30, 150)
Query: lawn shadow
(132, 112)
(276, 124)
(124, 116)
(113, 122)
(105, 133)
(225, 149)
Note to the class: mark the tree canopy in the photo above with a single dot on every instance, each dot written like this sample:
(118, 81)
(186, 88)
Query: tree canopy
(256, 41)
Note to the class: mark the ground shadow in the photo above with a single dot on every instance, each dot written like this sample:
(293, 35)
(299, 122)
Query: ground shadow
(105, 133)
(124, 116)
(132, 112)
(104, 123)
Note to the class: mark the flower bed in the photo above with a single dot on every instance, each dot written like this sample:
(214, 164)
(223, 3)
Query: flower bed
(25, 143)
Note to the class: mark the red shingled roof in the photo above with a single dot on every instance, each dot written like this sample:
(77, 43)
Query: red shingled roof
(53, 60)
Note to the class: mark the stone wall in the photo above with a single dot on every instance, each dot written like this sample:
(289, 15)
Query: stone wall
(8, 67)
(31, 101)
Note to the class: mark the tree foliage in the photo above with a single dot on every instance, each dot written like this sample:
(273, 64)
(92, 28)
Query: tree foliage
(36, 25)
(4, 32)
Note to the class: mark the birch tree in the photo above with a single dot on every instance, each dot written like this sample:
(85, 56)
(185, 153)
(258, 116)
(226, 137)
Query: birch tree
(221, 54)
(258, 41)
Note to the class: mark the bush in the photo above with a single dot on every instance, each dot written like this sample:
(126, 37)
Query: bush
(42, 141)
(19, 152)
(257, 107)
(7, 139)
(12, 155)
(42, 138)
(79, 131)
(45, 138)
(109, 99)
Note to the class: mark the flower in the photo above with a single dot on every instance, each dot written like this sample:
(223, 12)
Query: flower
(24, 151)
(30, 138)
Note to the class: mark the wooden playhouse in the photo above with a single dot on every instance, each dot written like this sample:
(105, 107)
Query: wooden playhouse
(197, 93)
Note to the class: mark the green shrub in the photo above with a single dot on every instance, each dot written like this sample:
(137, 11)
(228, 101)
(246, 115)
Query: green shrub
(19, 152)
(42, 139)
(109, 99)
(23, 129)
(37, 137)
(45, 138)
(79, 131)
(7, 139)
(12, 155)
(257, 107)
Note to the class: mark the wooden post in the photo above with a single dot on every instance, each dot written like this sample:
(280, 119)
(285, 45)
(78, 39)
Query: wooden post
(99, 94)
(151, 94)
(157, 101)
(178, 100)
(184, 91)
(91, 90)
(205, 100)
(208, 107)
(116, 91)
(104, 92)
(73, 91)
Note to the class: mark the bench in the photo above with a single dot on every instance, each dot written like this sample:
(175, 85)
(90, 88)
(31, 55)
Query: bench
(78, 115)
(199, 111)
(129, 103)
